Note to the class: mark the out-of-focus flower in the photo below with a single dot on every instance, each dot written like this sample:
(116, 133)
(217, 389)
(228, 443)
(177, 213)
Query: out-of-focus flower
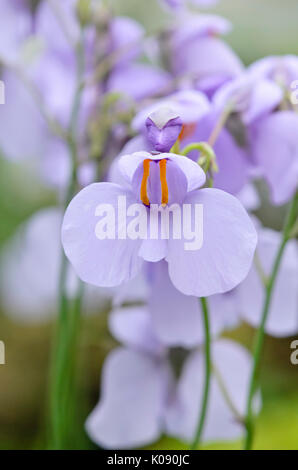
(125, 40)
(22, 131)
(282, 319)
(252, 98)
(15, 26)
(141, 398)
(247, 300)
(231, 374)
(233, 162)
(276, 152)
(229, 235)
(176, 318)
(215, 62)
(133, 79)
(138, 81)
(282, 70)
(30, 265)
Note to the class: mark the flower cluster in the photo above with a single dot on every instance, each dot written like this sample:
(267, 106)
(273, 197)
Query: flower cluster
(156, 146)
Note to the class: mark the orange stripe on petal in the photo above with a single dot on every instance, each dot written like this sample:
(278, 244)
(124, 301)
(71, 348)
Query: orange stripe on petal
(144, 195)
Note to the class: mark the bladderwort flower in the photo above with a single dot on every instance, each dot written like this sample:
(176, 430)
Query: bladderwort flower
(200, 120)
(30, 264)
(215, 62)
(16, 26)
(276, 152)
(246, 301)
(148, 389)
(209, 250)
(237, 108)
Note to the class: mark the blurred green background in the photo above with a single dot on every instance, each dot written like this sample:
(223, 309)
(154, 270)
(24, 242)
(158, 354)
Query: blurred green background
(261, 27)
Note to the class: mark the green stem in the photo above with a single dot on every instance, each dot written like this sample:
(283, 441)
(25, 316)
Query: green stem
(203, 409)
(220, 124)
(259, 340)
(63, 360)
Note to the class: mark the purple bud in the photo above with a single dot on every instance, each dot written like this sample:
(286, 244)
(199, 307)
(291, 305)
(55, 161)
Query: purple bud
(163, 129)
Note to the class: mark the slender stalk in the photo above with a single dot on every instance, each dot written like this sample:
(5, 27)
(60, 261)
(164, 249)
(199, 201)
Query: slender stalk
(259, 340)
(63, 360)
(220, 124)
(204, 405)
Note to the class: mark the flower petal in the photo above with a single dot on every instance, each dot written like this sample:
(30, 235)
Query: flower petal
(139, 81)
(176, 317)
(233, 365)
(228, 247)
(276, 150)
(130, 409)
(232, 160)
(107, 262)
(283, 317)
(133, 327)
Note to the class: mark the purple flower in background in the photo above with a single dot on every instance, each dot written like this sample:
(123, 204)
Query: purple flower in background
(282, 319)
(232, 159)
(125, 39)
(247, 300)
(30, 264)
(16, 27)
(252, 98)
(128, 77)
(229, 235)
(231, 365)
(141, 398)
(282, 70)
(276, 152)
(139, 81)
(214, 63)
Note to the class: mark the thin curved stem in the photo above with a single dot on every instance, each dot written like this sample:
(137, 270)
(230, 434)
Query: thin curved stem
(259, 341)
(204, 405)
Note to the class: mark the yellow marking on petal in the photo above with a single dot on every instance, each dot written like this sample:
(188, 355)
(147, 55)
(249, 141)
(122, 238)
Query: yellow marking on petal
(163, 181)
(144, 195)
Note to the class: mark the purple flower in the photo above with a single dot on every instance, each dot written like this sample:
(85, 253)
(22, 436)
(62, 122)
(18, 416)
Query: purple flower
(22, 130)
(139, 81)
(247, 300)
(30, 265)
(15, 26)
(168, 309)
(252, 98)
(250, 295)
(141, 398)
(125, 36)
(215, 62)
(232, 159)
(282, 70)
(166, 179)
(275, 149)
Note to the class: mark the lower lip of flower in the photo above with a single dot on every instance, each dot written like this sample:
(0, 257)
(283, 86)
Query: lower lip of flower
(163, 182)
